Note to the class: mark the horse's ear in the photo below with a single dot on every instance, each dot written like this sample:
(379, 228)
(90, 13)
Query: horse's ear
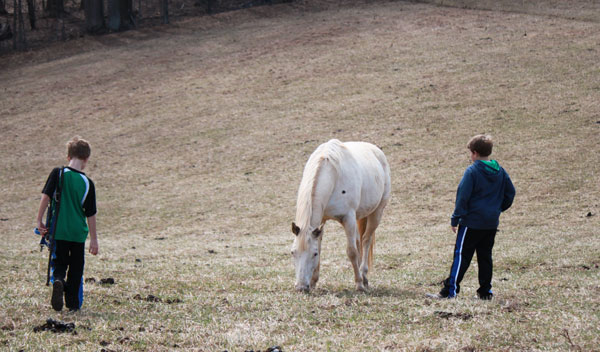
(317, 232)
(295, 229)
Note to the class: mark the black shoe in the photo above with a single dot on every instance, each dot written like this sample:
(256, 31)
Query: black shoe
(58, 288)
(486, 297)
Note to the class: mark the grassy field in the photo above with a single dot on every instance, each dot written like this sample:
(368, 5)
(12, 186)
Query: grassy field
(200, 131)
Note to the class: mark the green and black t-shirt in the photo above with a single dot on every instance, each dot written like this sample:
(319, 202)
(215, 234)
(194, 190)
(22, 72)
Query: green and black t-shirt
(77, 203)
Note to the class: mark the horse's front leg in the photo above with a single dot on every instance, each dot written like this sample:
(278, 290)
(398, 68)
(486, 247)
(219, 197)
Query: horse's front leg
(349, 223)
(315, 277)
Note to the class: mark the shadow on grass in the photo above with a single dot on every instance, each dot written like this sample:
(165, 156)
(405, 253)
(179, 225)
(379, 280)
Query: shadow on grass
(377, 291)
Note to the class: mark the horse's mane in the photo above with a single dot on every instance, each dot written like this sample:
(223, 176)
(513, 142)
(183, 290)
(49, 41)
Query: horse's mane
(330, 152)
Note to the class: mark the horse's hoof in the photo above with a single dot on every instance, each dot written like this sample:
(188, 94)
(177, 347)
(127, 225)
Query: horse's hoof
(366, 283)
(361, 288)
(303, 288)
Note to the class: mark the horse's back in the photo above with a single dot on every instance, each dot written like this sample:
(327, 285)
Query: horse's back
(363, 178)
(375, 167)
(371, 160)
(367, 153)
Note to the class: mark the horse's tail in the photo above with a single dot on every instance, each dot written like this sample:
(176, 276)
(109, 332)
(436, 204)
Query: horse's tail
(371, 252)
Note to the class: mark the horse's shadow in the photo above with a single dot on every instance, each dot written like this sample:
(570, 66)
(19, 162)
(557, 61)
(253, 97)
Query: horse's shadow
(377, 291)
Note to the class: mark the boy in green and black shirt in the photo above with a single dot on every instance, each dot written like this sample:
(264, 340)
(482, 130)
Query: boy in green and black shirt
(76, 217)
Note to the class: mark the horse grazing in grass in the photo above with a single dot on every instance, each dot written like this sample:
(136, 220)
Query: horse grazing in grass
(348, 182)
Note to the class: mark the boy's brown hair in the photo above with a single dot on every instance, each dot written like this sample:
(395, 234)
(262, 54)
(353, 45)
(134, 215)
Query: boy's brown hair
(482, 144)
(78, 148)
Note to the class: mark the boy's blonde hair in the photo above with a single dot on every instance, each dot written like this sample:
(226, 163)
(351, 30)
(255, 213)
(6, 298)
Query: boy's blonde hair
(78, 148)
(482, 144)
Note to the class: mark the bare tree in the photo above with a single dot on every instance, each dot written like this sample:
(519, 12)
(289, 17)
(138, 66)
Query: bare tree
(31, 13)
(208, 3)
(120, 16)
(164, 11)
(15, 23)
(19, 40)
(55, 7)
(3, 8)
(21, 29)
(94, 16)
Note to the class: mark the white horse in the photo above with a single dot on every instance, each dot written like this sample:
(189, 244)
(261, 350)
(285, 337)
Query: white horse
(348, 182)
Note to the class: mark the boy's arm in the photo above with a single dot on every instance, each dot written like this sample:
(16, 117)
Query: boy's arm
(47, 192)
(463, 194)
(89, 206)
(43, 206)
(93, 237)
(509, 194)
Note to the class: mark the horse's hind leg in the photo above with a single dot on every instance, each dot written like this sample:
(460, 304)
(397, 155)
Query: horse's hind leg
(350, 226)
(368, 241)
(362, 227)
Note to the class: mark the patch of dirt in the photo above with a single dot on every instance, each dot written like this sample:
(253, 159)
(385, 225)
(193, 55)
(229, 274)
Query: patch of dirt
(56, 327)
(449, 315)
(8, 326)
(155, 299)
(105, 281)
(270, 349)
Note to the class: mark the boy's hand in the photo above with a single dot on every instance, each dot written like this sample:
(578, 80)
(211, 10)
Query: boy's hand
(42, 229)
(453, 229)
(94, 246)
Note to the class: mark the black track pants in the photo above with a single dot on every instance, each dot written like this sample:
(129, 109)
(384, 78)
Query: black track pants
(70, 255)
(469, 241)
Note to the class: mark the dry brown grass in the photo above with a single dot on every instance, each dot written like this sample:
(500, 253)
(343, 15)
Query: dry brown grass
(200, 131)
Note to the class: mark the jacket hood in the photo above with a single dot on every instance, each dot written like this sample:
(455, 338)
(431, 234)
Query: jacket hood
(489, 168)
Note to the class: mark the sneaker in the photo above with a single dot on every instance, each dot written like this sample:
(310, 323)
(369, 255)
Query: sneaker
(58, 288)
(486, 297)
(437, 296)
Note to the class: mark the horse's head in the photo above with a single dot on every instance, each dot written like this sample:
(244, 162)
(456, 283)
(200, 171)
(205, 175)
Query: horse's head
(306, 251)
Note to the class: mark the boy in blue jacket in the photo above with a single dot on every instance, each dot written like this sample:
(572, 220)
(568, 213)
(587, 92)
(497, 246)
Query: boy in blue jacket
(483, 193)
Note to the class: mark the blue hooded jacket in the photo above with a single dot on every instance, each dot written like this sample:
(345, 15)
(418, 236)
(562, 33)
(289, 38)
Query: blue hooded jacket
(483, 193)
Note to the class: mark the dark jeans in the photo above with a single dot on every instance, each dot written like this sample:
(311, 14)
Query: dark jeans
(469, 241)
(70, 255)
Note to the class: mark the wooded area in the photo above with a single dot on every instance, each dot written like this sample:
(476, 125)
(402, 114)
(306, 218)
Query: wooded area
(31, 24)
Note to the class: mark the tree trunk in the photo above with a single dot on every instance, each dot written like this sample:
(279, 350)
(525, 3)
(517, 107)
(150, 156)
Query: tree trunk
(119, 15)
(31, 12)
(164, 11)
(209, 5)
(54, 7)
(15, 24)
(5, 31)
(3, 8)
(94, 16)
(61, 22)
(21, 30)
